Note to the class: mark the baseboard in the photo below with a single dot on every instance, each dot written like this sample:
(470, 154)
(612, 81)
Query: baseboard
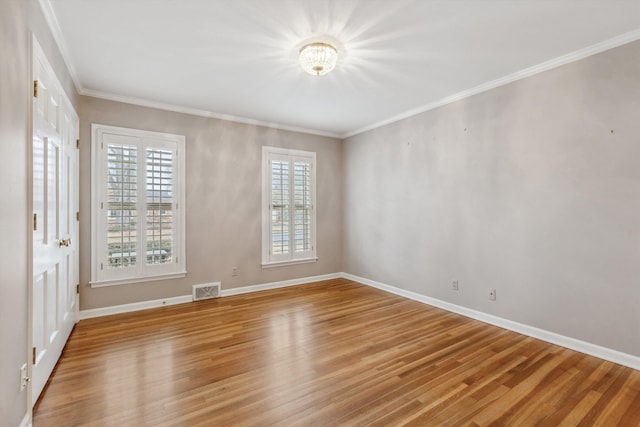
(143, 305)
(135, 306)
(281, 284)
(541, 334)
(26, 421)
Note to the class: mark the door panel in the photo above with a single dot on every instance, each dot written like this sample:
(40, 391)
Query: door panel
(52, 166)
(39, 289)
(69, 228)
(51, 309)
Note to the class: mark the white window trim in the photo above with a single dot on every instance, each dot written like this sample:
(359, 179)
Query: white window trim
(98, 199)
(267, 262)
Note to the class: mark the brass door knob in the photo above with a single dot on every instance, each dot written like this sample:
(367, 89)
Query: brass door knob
(64, 242)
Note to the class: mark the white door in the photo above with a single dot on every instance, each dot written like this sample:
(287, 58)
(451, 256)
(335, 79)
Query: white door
(55, 230)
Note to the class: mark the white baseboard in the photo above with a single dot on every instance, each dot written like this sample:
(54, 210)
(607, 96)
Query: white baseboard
(135, 306)
(541, 334)
(143, 305)
(281, 284)
(26, 421)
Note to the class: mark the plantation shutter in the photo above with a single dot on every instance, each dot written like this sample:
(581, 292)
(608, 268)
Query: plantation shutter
(280, 207)
(138, 190)
(302, 206)
(289, 181)
(159, 205)
(122, 201)
(123, 205)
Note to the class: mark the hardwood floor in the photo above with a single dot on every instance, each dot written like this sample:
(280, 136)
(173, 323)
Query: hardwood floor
(328, 353)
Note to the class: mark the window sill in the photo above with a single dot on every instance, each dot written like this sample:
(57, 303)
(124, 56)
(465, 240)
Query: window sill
(104, 283)
(289, 262)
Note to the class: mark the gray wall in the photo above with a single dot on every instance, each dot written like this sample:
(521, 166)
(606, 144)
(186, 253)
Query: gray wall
(532, 188)
(223, 197)
(18, 18)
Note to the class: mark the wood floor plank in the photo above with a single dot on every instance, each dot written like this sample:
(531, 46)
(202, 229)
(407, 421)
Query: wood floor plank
(330, 353)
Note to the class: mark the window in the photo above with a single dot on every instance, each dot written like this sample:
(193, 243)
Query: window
(288, 207)
(137, 205)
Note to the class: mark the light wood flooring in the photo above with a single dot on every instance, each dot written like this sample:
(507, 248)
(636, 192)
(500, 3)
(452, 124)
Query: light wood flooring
(325, 354)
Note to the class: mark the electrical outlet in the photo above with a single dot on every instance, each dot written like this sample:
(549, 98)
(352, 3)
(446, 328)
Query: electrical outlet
(24, 379)
(234, 271)
(454, 285)
(492, 294)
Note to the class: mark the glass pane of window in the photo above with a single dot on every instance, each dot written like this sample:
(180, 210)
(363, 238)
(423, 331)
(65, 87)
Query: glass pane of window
(121, 205)
(159, 202)
(302, 206)
(280, 207)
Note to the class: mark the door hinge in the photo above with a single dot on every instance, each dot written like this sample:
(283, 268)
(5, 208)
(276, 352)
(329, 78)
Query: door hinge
(35, 88)
(77, 215)
(35, 221)
(33, 355)
(78, 143)
(78, 288)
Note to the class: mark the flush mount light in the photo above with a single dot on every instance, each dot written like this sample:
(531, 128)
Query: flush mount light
(318, 58)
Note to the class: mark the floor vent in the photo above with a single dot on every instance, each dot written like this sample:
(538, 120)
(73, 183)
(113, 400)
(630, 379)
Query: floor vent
(206, 291)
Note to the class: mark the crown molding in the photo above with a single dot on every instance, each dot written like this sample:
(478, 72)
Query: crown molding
(202, 113)
(518, 75)
(54, 26)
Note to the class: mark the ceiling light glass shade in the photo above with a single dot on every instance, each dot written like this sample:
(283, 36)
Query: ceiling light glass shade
(318, 58)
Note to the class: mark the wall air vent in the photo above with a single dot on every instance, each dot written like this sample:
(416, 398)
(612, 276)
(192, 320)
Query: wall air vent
(206, 291)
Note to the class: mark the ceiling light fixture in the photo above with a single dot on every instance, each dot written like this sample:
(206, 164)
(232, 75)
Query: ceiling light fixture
(318, 58)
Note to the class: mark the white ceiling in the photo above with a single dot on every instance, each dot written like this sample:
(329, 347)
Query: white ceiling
(237, 59)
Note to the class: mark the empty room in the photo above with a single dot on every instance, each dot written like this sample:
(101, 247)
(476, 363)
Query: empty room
(320, 213)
